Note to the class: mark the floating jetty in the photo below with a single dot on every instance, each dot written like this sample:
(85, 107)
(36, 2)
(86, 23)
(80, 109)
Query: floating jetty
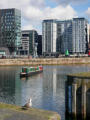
(29, 71)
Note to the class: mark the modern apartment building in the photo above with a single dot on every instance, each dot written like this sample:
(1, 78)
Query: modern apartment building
(10, 29)
(80, 35)
(29, 40)
(64, 36)
(25, 45)
(59, 36)
(49, 36)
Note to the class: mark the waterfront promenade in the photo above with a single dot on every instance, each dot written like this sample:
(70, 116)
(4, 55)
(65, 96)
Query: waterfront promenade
(45, 61)
(12, 112)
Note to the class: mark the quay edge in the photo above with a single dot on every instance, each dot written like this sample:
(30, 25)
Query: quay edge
(44, 61)
(13, 112)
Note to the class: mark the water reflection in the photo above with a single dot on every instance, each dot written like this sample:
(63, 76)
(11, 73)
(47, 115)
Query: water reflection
(53, 90)
(46, 89)
(8, 84)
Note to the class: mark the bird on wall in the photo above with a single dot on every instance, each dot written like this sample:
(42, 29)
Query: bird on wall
(28, 104)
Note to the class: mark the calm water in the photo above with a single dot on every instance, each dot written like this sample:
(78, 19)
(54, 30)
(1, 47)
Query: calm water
(46, 89)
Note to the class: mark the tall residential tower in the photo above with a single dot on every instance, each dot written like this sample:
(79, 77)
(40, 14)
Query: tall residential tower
(80, 35)
(60, 36)
(49, 32)
(10, 29)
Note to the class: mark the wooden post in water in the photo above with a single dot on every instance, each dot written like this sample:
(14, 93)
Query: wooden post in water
(74, 90)
(84, 101)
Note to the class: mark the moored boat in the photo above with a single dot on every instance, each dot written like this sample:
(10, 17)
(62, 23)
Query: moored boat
(28, 71)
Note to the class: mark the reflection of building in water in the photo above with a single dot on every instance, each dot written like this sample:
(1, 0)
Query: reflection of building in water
(78, 96)
(52, 89)
(54, 81)
(18, 89)
(8, 85)
(50, 82)
(49, 88)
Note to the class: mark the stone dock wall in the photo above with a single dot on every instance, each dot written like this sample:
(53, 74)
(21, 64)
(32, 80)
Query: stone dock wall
(45, 61)
(13, 112)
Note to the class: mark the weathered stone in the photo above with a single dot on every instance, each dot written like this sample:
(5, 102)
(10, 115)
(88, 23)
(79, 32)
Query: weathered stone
(12, 112)
(45, 61)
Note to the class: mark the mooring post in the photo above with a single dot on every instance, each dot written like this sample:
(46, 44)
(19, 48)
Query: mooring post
(74, 91)
(84, 101)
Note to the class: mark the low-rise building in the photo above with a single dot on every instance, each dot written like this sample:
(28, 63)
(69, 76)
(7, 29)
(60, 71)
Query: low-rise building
(29, 40)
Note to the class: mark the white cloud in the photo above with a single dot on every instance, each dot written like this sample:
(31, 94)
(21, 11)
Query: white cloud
(27, 27)
(66, 2)
(59, 12)
(38, 3)
(20, 3)
(33, 12)
(88, 12)
(36, 15)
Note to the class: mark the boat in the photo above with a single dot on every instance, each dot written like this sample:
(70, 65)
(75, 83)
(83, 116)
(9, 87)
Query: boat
(29, 71)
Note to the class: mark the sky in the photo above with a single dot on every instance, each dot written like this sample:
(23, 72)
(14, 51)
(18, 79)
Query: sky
(34, 11)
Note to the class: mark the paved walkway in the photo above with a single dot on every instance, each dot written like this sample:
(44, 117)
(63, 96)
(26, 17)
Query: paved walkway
(17, 113)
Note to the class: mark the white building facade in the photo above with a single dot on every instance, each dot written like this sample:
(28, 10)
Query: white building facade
(49, 36)
(59, 36)
(64, 34)
(80, 35)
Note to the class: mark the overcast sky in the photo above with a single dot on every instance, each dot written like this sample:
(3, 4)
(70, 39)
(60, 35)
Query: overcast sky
(34, 11)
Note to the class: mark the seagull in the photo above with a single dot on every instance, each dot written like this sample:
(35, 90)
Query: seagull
(28, 104)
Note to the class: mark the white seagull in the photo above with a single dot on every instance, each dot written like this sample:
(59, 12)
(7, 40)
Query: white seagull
(28, 104)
